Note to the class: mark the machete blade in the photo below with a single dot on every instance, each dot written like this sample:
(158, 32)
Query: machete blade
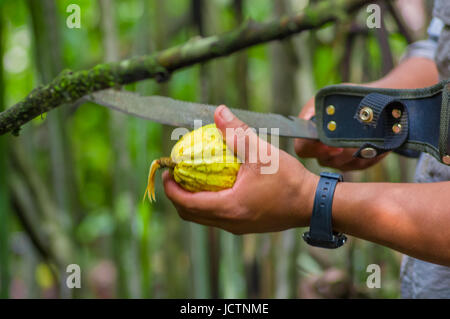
(173, 112)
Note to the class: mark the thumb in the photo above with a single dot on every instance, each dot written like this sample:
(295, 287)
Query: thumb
(242, 140)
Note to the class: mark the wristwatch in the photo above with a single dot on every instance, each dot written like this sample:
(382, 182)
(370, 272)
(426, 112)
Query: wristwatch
(321, 232)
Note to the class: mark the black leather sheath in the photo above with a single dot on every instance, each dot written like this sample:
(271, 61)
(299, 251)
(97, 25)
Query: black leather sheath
(424, 122)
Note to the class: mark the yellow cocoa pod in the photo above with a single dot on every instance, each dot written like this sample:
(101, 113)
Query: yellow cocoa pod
(199, 161)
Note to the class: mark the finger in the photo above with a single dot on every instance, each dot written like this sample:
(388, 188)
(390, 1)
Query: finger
(307, 113)
(361, 163)
(227, 225)
(336, 161)
(238, 136)
(357, 164)
(204, 204)
(313, 148)
(308, 110)
(195, 218)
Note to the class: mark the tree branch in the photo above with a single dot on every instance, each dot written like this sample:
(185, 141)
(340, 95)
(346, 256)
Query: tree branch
(69, 86)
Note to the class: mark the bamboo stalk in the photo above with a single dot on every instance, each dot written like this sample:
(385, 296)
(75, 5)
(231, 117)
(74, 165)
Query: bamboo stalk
(284, 65)
(59, 243)
(199, 241)
(49, 62)
(122, 236)
(145, 212)
(4, 192)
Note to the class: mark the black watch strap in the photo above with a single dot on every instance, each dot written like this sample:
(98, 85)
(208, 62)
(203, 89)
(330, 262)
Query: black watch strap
(321, 232)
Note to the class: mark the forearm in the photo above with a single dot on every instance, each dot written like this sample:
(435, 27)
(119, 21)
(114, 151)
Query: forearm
(413, 73)
(411, 218)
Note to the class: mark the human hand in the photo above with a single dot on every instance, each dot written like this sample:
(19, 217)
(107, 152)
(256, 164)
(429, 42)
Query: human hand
(257, 202)
(336, 157)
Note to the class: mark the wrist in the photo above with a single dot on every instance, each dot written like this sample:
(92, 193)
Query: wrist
(305, 199)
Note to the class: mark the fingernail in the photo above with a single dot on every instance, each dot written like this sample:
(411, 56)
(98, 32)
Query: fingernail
(226, 114)
(335, 151)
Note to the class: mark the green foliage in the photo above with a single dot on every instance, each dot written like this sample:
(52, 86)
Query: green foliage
(95, 226)
(324, 64)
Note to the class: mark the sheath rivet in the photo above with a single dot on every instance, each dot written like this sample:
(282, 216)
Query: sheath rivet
(366, 114)
(396, 113)
(396, 128)
(330, 109)
(368, 152)
(331, 126)
(446, 159)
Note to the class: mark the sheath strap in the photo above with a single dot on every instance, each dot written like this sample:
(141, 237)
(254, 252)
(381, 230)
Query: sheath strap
(445, 121)
(382, 107)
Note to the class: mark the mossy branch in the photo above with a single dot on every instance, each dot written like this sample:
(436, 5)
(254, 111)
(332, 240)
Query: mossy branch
(70, 86)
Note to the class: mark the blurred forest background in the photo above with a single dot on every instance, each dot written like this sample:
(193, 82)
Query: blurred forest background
(71, 184)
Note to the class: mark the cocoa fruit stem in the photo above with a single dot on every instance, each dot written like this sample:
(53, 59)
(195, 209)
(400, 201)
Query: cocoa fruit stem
(166, 162)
